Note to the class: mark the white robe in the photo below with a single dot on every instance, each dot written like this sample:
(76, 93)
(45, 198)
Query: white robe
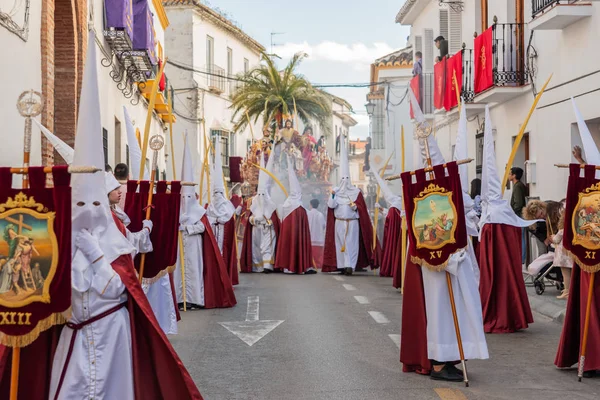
(160, 297)
(441, 336)
(264, 241)
(101, 365)
(317, 225)
(346, 232)
(193, 264)
(218, 228)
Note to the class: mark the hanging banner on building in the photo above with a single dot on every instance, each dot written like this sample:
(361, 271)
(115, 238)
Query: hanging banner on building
(415, 86)
(453, 79)
(119, 16)
(484, 77)
(35, 255)
(165, 218)
(435, 212)
(143, 30)
(582, 218)
(439, 84)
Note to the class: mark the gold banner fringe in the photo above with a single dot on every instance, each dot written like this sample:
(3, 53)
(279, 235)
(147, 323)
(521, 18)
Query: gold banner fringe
(434, 268)
(590, 269)
(150, 281)
(27, 339)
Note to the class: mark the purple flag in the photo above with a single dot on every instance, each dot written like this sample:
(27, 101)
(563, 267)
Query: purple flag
(119, 15)
(143, 29)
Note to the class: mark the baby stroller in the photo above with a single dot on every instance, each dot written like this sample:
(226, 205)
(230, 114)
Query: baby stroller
(541, 272)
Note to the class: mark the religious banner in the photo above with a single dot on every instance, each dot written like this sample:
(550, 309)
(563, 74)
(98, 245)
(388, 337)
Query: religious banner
(435, 215)
(143, 29)
(119, 16)
(35, 255)
(484, 77)
(235, 175)
(582, 218)
(453, 79)
(439, 84)
(415, 86)
(165, 218)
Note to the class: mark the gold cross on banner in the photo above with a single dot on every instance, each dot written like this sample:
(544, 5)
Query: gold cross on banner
(20, 224)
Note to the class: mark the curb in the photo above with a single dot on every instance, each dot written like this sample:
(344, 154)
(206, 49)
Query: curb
(549, 309)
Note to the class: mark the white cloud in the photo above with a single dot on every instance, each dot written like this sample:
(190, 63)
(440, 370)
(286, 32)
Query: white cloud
(356, 53)
(362, 119)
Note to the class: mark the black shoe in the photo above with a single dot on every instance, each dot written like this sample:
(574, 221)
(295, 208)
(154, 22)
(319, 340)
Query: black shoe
(310, 272)
(267, 271)
(453, 369)
(446, 374)
(590, 374)
(348, 271)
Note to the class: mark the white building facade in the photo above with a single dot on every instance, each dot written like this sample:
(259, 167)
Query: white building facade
(48, 42)
(532, 39)
(207, 51)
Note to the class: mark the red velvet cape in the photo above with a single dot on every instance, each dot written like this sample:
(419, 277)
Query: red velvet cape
(366, 255)
(392, 245)
(413, 338)
(158, 372)
(572, 334)
(218, 290)
(230, 251)
(503, 296)
(246, 257)
(294, 249)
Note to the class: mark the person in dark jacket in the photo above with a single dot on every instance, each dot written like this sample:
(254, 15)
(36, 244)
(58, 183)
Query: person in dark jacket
(442, 45)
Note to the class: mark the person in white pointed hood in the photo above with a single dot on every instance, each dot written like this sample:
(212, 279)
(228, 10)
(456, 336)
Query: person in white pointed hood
(348, 224)
(262, 228)
(392, 232)
(221, 213)
(204, 277)
(503, 295)
(295, 253)
(98, 353)
(428, 343)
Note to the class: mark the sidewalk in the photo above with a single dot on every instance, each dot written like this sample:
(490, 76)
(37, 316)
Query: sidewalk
(547, 304)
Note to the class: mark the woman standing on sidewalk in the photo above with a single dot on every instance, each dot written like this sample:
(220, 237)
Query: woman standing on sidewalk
(561, 258)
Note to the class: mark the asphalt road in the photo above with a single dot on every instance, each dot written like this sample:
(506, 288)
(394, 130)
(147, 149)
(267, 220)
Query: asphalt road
(338, 341)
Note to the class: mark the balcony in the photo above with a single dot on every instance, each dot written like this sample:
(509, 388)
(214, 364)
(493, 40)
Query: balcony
(216, 79)
(557, 14)
(509, 71)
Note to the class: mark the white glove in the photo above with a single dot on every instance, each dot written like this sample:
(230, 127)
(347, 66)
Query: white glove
(89, 246)
(238, 210)
(377, 205)
(259, 220)
(182, 227)
(147, 224)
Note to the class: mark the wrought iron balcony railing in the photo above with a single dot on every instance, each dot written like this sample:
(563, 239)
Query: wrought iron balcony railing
(468, 76)
(540, 6)
(216, 78)
(508, 53)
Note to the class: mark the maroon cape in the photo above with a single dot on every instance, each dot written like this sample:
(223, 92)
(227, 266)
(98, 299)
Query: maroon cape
(218, 290)
(503, 296)
(158, 372)
(230, 251)
(366, 255)
(392, 245)
(572, 334)
(294, 249)
(246, 257)
(413, 338)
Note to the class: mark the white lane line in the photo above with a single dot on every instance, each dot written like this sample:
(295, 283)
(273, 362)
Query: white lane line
(361, 299)
(252, 311)
(379, 317)
(338, 278)
(349, 287)
(395, 338)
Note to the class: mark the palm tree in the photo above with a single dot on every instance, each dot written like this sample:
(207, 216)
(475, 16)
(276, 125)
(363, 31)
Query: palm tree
(272, 94)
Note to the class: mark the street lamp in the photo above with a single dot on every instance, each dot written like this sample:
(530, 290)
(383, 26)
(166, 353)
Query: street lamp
(370, 108)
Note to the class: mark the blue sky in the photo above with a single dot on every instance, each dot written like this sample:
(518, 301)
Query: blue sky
(342, 38)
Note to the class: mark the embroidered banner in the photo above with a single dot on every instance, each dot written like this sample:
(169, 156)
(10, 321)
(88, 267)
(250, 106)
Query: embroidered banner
(143, 29)
(439, 78)
(35, 255)
(434, 209)
(415, 85)
(453, 79)
(165, 218)
(484, 77)
(119, 15)
(582, 218)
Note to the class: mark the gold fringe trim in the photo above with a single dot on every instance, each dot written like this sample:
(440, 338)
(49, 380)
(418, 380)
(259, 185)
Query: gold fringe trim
(27, 339)
(590, 269)
(434, 268)
(150, 281)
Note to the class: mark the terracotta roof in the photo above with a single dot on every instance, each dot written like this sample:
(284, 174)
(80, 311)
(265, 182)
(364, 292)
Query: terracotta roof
(218, 18)
(399, 57)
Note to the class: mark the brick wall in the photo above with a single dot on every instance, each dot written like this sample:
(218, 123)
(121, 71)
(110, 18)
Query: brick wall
(63, 47)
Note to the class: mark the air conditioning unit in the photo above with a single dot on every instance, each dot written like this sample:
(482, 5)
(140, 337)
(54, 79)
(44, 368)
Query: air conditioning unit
(531, 171)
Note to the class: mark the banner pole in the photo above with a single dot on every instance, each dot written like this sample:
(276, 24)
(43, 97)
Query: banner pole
(404, 227)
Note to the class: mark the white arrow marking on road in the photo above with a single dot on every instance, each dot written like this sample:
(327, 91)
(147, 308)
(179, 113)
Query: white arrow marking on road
(379, 317)
(362, 299)
(395, 338)
(252, 329)
(349, 287)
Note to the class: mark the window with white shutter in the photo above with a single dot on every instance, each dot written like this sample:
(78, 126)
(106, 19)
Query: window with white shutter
(455, 33)
(419, 43)
(428, 53)
(444, 30)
